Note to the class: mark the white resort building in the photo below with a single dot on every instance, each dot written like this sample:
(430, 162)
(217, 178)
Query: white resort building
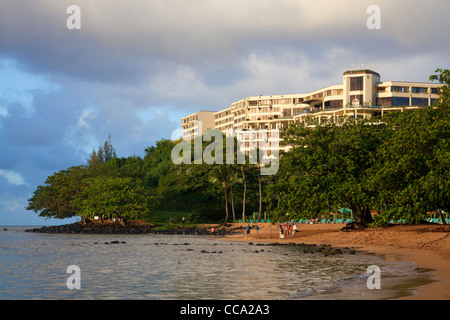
(361, 95)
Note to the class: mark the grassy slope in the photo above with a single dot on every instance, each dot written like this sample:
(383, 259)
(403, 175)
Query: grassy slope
(161, 217)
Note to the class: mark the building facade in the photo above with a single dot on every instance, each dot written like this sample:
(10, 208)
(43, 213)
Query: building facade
(361, 95)
(197, 123)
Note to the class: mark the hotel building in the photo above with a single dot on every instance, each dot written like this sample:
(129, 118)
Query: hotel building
(197, 123)
(361, 95)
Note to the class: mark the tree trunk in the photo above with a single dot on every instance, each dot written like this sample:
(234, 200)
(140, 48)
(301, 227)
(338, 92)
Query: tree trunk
(442, 217)
(260, 193)
(232, 202)
(245, 190)
(226, 204)
(362, 215)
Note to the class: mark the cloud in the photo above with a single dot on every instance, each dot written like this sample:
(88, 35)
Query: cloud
(13, 177)
(136, 67)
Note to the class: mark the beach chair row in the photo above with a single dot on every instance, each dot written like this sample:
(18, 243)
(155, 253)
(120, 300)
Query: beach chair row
(255, 221)
(438, 220)
(312, 221)
(431, 220)
(323, 221)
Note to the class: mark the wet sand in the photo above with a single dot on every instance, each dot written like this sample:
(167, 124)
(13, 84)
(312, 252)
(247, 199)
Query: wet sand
(428, 246)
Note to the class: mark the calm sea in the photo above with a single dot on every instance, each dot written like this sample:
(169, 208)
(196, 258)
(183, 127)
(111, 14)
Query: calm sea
(161, 267)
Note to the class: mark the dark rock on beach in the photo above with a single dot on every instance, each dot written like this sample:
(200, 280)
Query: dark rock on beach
(129, 228)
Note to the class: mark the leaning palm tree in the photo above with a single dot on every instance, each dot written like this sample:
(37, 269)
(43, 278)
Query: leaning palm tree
(245, 191)
(221, 175)
(258, 167)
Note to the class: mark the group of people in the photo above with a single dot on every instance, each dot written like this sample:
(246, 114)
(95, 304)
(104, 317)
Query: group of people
(248, 228)
(288, 229)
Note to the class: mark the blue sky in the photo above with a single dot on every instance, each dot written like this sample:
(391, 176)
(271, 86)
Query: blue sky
(136, 67)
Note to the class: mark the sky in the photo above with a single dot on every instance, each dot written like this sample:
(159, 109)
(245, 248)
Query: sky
(134, 68)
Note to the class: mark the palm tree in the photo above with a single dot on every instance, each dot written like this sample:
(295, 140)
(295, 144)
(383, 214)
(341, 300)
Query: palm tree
(245, 191)
(260, 192)
(221, 175)
(233, 178)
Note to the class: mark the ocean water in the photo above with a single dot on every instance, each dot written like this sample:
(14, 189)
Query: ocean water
(161, 267)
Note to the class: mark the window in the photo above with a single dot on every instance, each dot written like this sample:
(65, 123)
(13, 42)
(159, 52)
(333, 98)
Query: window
(384, 102)
(400, 101)
(333, 104)
(419, 101)
(434, 90)
(418, 90)
(281, 101)
(399, 89)
(356, 84)
(358, 97)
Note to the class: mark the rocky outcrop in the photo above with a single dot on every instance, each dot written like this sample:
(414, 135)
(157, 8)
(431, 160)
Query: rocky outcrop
(130, 228)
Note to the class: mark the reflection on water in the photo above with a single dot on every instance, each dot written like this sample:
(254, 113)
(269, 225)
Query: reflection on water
(33, 266)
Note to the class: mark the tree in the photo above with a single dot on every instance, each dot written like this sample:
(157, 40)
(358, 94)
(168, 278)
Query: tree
(221, 175)
(87, 191)
(122, 197)
(103, 155)
(245, 191)
(328, 168)
(414, 175)
(54, 198)
(258, 167)
(157, 162)
(233, 179)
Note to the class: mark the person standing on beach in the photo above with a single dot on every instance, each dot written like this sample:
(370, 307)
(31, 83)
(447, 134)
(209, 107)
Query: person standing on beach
(213, 231)
(248, 230)
(294, 230)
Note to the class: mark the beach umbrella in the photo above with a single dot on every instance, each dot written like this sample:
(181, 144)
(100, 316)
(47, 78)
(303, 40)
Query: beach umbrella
(346, 211)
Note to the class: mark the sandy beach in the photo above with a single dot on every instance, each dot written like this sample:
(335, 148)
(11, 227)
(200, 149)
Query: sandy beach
(428, 246)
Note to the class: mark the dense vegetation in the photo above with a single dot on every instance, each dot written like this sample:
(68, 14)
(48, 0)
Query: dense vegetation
(397, 166)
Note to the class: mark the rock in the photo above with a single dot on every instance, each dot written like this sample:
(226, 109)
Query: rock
(332, 252)
(336, 251)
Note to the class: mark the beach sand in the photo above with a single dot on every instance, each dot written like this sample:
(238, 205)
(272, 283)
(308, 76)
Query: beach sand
(428, 246)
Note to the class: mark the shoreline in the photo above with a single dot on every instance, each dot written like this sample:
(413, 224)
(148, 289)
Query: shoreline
(427, 246)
